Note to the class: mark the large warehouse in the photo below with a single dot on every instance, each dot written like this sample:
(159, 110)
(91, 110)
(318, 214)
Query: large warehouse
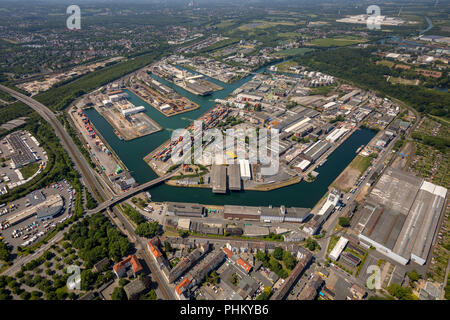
(267, 214)
(402, 216)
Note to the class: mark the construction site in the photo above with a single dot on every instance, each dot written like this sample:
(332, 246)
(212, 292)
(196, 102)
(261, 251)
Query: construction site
(159, 96)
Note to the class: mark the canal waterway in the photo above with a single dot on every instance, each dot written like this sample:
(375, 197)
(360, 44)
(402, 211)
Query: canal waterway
(132, 152)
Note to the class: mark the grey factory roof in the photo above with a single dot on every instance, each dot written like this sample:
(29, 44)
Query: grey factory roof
(184, 209)
(49, 211)
(218, 179)
(234, 177)
(405, 217)
(396, 189)
(22, 154)
(134, 288)
(36, 197)
(316, 150)
(290, 212)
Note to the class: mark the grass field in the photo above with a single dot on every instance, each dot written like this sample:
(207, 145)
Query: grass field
(289, 35)
(224, 24)
(284, 66)
(29, 170)
(335, 42)
(386, 63)
(293, 52)
(261, 24)
(361, 163)
(394, 80)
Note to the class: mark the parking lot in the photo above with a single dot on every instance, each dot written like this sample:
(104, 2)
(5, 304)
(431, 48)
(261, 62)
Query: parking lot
(29, 230)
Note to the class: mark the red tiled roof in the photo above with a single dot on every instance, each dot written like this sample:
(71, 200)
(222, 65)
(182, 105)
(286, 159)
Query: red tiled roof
(228, 252)
(154, 250)
(244, 264)
(184, 283)
(135, 264)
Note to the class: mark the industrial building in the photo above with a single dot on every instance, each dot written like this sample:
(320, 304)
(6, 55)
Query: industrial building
(303, 165)
(313, 226)
(241, 212)
(245, 170)
(284, 214)
(336, 134)
(404, 218)
(44, 208)
(218, 179)
(130, 111)
(267, 214)
(338, 248)
(234, 177)
(349, 96)
(22, 154)
(316, 150)
(185, 209)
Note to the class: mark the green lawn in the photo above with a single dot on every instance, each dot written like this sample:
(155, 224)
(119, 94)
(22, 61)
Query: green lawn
(293, 52)
(361, 163)
(335, 42)
(333, 241)
(29, 170)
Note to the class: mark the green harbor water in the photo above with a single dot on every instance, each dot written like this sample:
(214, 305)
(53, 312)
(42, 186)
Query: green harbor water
(132, 152)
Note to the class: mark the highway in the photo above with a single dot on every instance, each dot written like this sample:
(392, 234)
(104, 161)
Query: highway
(65, 139)
(91, 182)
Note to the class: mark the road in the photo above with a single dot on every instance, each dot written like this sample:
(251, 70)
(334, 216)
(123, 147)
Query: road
(91, 182)
(65, 139)
(133, 191)
(141, 247)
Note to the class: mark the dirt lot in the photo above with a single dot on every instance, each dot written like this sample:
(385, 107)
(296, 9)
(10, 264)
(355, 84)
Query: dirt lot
(347, 179)
(400, 163)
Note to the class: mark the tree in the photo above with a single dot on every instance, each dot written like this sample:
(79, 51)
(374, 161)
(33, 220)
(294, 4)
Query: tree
(183, 233)
(311, 244)
(265, 295)
(5, 253)
(399, 292)
(234, 279)
(151, 295)
(278, 253)
(118, 294)
(275, 266)
(25, 295)
(167, 246)
(344, 222)
(147, 229)
(289, 260)
(414, 275)
(212, 278)
(123, 282)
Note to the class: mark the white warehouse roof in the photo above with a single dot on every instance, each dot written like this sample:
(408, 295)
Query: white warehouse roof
(338, 248)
